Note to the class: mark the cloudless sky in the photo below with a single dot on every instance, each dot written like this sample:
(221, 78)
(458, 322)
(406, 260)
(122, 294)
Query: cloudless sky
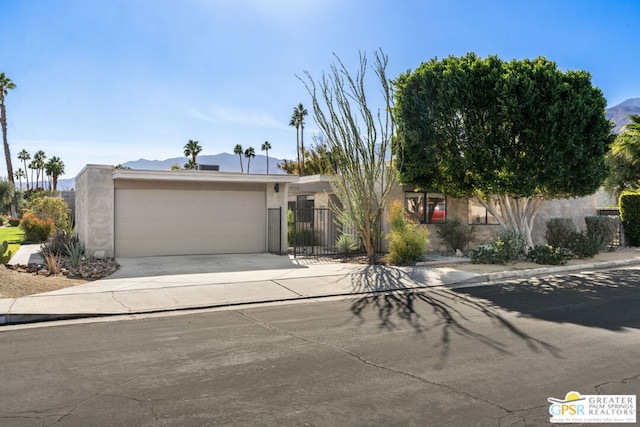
(108, 81)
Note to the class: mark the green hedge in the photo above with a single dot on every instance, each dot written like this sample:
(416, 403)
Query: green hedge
(630, 216)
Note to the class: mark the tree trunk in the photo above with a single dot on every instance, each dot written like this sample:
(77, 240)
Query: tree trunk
(7, 154)
(514, 213)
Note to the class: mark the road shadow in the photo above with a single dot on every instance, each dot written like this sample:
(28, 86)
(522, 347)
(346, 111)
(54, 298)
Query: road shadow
(395, 301)
(604, 299)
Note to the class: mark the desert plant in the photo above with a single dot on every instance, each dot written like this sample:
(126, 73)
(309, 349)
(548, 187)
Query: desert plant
(3, 248)
(454, 234)
(345, 244)
(14, 222)
(630, 216)
(58, 242)
(602, 229)
(75, 252)
(53, 263)
(548, 255)
(559, 232)
(407, 240)
(36, 229)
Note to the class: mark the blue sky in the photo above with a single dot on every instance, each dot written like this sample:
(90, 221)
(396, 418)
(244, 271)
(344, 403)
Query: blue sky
(107, 81)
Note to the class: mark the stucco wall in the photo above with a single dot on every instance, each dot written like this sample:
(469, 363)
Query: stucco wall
(279, 200)
(576, 209)
(95, 210)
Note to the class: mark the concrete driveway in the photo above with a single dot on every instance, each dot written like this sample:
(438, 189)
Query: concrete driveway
(201, 264)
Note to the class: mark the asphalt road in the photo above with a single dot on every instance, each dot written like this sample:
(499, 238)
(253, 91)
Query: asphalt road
(477, 356)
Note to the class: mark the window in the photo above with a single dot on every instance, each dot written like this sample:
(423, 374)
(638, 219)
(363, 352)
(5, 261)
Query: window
(425, 207)
(478, 214)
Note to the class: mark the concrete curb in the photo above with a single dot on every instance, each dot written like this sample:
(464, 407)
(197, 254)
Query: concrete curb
(495, 278)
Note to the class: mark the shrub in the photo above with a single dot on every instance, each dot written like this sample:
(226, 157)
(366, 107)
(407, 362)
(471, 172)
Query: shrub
(407, 240)
(50, 208)
(487, 254)
(454, 234)
(602, 229)
(630, 216)
(290, 227)
(583, 245)
(14, 222)
(547, 254)
(508, 246)
(3, 219)
(35, 229)
(345, 244)
(559, 232)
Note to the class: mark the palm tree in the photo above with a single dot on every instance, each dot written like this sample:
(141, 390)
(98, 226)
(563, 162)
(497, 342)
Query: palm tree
(55, 168)
(238, 150)
(19, 174)
(24, 156)
(249, 153)
(299, 112)
(294, 122)
(189, 164)
(266, 146)
(39, 158)
(192, 148)
(33, 166)
(5, 85)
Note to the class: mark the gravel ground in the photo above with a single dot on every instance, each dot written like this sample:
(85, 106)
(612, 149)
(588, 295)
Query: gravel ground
(14, 284)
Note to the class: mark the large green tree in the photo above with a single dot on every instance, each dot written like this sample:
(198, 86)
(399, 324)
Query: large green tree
(510, 134)
(358, 136)
(5, 85)
(624, 159)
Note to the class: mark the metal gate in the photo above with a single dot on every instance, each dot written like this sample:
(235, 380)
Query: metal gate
(315, 231)
(274, 235)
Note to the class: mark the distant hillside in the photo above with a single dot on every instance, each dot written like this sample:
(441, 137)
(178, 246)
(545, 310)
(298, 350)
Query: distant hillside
(620, 113)
(227, 162)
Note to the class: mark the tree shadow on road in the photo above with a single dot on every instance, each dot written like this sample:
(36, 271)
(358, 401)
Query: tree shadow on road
(392, 296)
(604, 299)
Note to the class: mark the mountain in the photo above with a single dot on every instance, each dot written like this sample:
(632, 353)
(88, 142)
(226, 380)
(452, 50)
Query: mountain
(227, 162)
(619, 113)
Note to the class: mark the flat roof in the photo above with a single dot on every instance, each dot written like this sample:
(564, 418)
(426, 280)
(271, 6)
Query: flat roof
(201, 176)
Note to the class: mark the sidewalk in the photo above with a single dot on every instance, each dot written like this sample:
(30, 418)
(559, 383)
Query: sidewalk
(159, 284)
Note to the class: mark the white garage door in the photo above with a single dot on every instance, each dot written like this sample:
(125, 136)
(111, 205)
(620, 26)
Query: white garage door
(150, 222)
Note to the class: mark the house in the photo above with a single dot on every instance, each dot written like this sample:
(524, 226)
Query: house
(131, 213)
(136, 213)
(432, 208)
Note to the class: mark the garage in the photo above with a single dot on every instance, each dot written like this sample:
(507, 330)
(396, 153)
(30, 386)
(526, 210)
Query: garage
(188, 219)
(139, 213)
